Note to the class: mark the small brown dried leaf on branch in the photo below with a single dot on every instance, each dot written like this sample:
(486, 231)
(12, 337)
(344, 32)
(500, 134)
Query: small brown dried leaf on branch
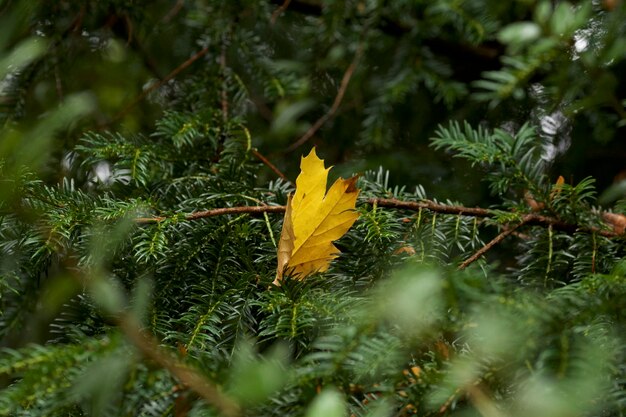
(617, 221)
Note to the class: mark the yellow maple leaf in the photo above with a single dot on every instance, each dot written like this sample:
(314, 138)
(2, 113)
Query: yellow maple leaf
(314, 219)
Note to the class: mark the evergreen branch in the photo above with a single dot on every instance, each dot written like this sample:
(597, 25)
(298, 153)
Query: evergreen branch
(235, 210)
(149, 347)
(432, 206)
(217, 212)
(336, 103)
(526, 219)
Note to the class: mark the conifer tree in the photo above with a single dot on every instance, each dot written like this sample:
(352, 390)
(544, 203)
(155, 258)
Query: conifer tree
(148, 151)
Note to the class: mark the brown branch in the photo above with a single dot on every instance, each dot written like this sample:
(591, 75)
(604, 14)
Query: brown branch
(149, 347)
(174, 11)
(490, 245)
(482, 402)
(217, 212)
(336, 103)
(224, 89)
(270, 165)
(526, 219)
(280, 10)
(432, 206)
(158, 84)
(57, 78)
(444, 407)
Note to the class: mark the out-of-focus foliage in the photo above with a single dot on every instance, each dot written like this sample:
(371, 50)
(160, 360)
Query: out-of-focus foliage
(120, 118)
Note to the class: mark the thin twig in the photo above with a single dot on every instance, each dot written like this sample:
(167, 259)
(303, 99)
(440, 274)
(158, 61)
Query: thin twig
(57, 78)
(158, 84)
(432, 206)
(528, 219)
(174, 11)
(482, 402)
(217, 212)
(270, 165)
(148, 345)
(444, 407)
(336, 103)
(224, 88)
(490, 245)
(280, 10)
